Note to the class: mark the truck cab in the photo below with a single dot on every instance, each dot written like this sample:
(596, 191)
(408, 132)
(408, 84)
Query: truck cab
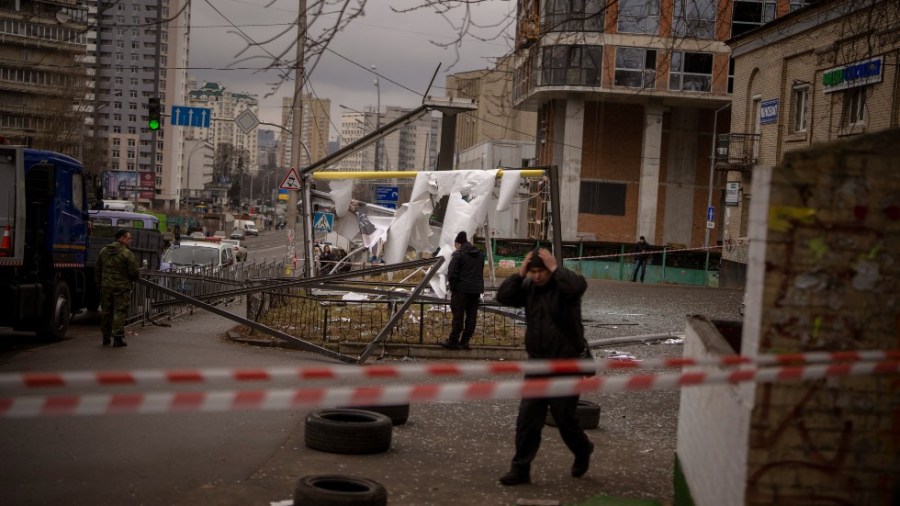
(43, 218)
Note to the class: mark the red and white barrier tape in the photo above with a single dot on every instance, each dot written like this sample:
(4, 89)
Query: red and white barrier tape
(281, 399)
(156, 377)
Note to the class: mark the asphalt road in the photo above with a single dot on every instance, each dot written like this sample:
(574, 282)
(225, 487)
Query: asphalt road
(447, 454)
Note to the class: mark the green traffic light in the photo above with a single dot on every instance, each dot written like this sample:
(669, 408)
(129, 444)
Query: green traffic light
(153, 124)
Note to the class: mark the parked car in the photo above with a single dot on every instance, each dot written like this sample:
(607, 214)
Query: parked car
(238, 234)
(240, 252)
(197, 255)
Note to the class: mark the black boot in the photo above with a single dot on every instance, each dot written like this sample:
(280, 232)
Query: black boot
(106, 340)
(582, 463)
(119, 342)
(517, 475)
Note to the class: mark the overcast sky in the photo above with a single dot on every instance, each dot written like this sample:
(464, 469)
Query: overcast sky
(397, 44)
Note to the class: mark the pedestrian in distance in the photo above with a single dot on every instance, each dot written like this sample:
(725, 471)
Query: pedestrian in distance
(640, 259)
(465, 275)
(551, 296)
(117, 270)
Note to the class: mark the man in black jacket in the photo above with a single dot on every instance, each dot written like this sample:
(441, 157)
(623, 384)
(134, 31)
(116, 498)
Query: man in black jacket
(466, 277)
(551, 296)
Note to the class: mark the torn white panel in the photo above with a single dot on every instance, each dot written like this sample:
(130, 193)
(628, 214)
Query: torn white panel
(509, 188)
(407, 220)
(466, 211)
(341, 193)
(354, 296)
(435, 183)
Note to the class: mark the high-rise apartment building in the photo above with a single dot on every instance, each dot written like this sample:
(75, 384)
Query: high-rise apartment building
(314, 130)
(141, 52)
(626, 95)
(45, 92)
(412, 147)
(226, 105)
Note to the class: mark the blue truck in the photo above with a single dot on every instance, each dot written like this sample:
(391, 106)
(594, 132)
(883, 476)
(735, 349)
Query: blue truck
(43, 251)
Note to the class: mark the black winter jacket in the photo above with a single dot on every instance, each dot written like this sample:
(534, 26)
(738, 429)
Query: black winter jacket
(552, 313)
(465, 274)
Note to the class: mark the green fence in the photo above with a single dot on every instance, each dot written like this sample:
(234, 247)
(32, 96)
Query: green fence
(615, 261)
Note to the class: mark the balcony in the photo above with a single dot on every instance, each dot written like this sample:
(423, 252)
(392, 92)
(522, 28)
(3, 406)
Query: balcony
(736, 151)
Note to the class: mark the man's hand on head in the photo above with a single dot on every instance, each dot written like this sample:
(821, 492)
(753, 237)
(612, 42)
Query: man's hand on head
(548, 259)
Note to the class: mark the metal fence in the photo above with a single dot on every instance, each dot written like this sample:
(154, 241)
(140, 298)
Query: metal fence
(322, 316)
(150, 306)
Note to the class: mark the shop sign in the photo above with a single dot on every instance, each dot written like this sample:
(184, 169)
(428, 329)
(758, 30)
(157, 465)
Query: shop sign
(853, 75)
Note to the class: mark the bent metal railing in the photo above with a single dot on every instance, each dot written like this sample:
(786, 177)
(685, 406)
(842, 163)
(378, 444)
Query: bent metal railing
(167, 296)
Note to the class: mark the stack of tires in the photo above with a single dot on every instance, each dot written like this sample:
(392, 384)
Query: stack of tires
(351, 431)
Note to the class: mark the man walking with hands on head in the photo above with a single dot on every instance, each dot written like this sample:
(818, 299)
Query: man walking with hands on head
(551, 296)
(117, 270)
(465, 275)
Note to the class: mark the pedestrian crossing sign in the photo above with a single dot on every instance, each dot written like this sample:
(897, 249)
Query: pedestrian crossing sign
(291, 181)
(323, 222)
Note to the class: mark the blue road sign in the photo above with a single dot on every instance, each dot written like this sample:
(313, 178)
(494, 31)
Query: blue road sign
(323, 222)
(710, 214)
(191, 116)
(387, 193)
(387, 196)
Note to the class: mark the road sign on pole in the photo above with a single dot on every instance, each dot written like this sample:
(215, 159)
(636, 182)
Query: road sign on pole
(710, 213)
(323, 222)
(246, 121)
(291, 181)
(387, 196)
(191, 116)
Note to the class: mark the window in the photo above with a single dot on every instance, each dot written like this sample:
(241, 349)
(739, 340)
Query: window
(635, 67)
(855, 106)
(573, 16)
(571, 65)
(800, 106)
(118, 81)
(638, 16)
(695, 18)
(602, 198)
(731, 75)
(750, 14)
(691, 71)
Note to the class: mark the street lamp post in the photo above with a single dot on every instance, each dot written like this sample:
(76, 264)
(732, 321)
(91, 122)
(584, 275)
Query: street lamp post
(377, 121)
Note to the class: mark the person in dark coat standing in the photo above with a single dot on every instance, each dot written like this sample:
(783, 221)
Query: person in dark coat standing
(465, 275)
(640, 259)
(117, 270)
(551, 296)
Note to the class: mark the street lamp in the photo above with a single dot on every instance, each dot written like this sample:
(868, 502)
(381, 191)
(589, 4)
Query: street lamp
(377, 121)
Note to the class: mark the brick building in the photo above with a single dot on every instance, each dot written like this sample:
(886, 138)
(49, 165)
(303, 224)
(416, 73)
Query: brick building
(825, 72)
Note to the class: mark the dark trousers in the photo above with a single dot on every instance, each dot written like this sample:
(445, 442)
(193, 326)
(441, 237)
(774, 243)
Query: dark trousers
(114, 306)
(463, 305)
(639, 264)
(530, 423)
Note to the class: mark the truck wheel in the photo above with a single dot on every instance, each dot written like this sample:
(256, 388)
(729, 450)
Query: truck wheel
(59, 312)
(338, 490)
(348, 431)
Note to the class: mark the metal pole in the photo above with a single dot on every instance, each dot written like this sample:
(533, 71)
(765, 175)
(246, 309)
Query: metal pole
(296, 137)
(378, 147)
(712, 166)
(556, 220)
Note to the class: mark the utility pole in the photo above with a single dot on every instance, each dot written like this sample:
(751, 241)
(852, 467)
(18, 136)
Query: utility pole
(297, 141)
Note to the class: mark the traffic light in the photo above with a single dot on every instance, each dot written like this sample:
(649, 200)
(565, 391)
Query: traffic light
(154, 121)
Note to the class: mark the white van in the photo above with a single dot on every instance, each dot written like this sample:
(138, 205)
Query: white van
(248, 226)
(196, 255)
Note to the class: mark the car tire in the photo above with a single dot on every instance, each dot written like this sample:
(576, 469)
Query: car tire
(398, 414)
(338, 490)
(587, 413)
(348, 431)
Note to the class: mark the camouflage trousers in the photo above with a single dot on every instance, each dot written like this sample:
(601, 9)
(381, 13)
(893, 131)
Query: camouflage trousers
(114, 305)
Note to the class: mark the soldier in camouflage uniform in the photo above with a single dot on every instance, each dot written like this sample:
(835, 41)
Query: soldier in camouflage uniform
(117, 270)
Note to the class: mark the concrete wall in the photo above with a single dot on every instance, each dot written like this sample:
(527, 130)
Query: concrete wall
(713, 423)
(830, 281)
